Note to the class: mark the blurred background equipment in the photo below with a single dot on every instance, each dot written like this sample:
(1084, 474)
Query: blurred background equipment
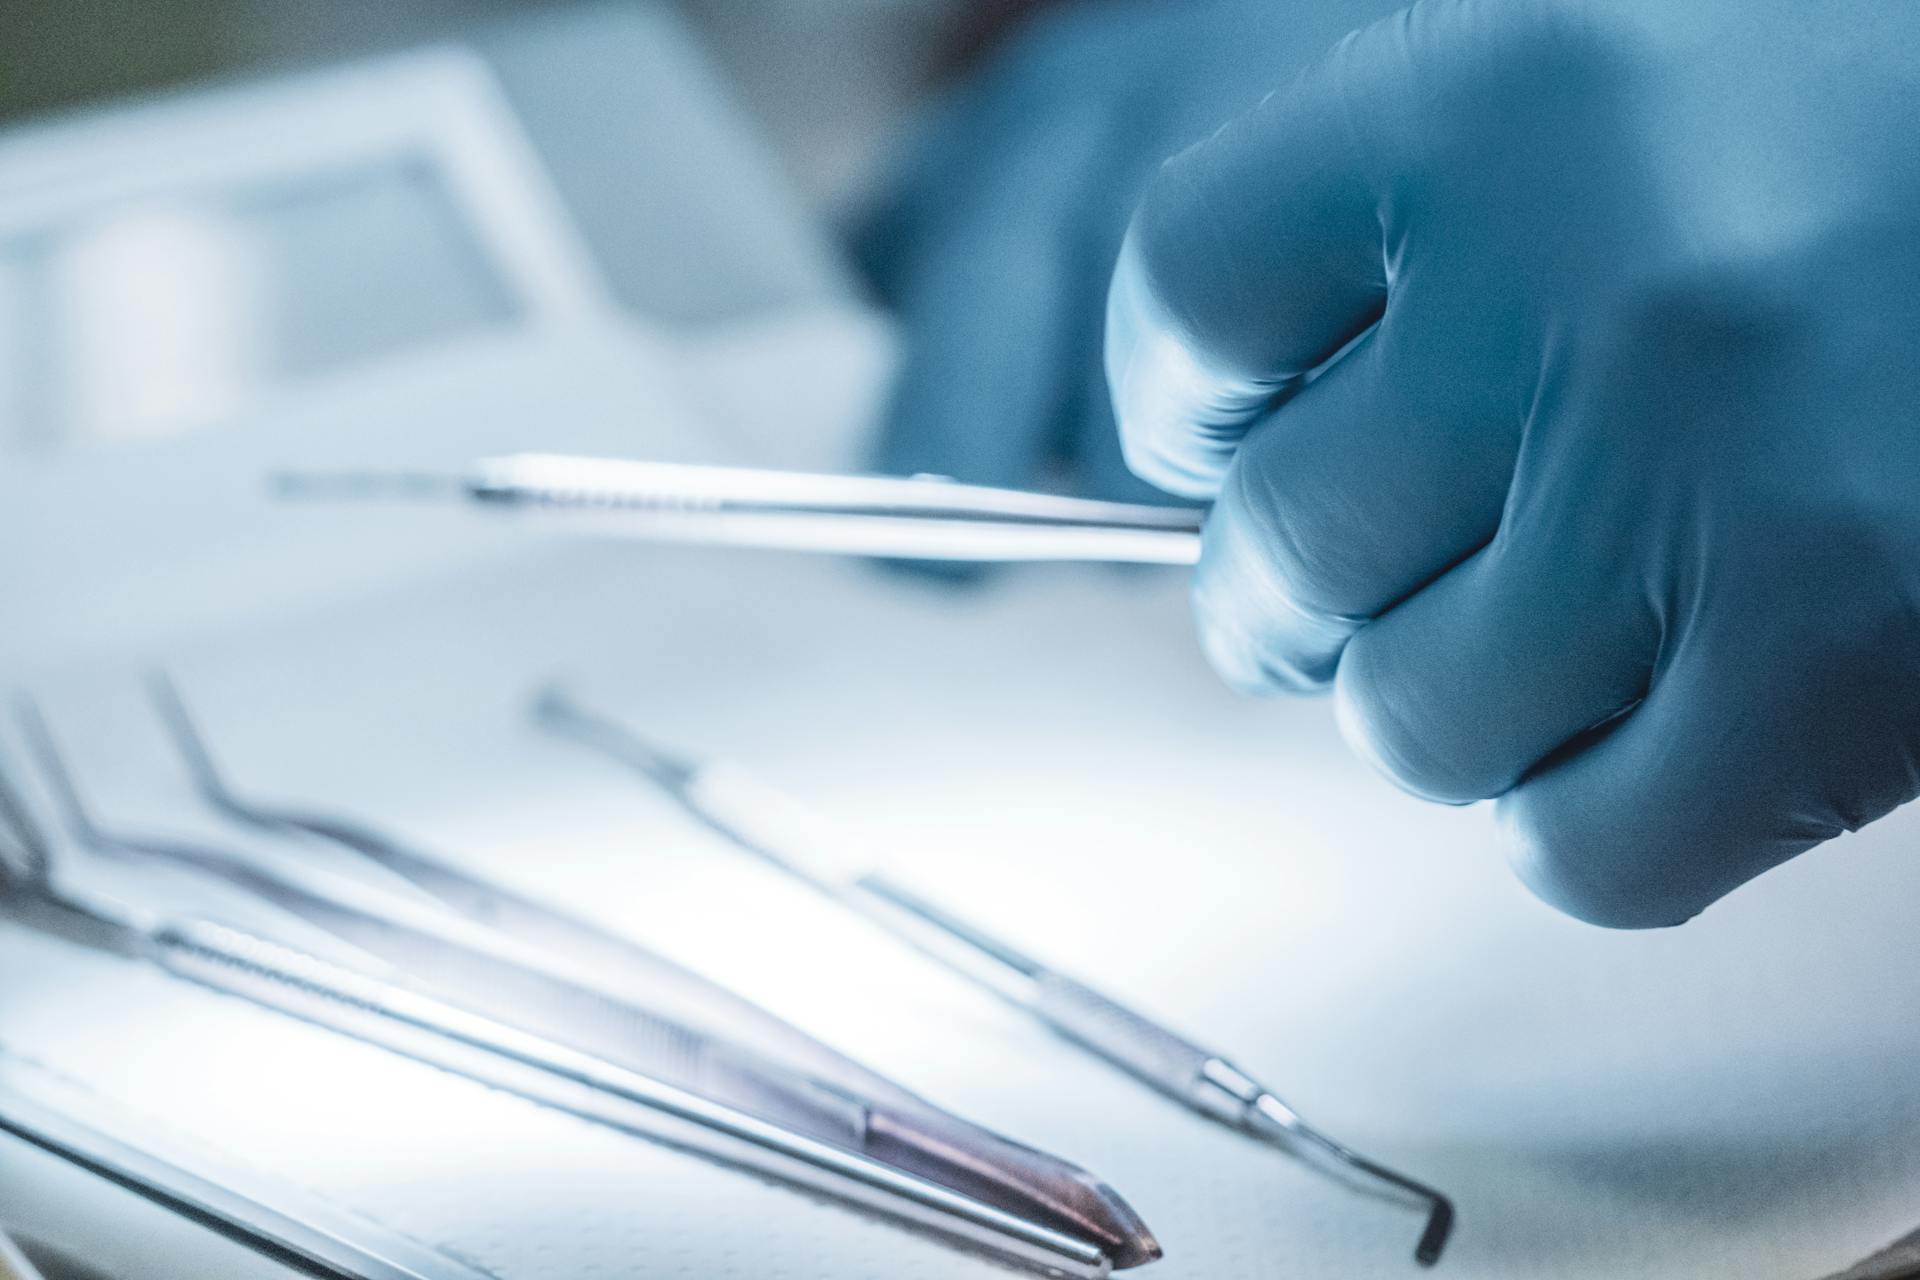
(825, 80)
(178, 265)
(563, 218)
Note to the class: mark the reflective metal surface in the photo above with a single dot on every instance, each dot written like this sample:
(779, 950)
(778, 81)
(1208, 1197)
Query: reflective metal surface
(441, 1000)
(243, 1203)
(1196, 1077)
(921, 517)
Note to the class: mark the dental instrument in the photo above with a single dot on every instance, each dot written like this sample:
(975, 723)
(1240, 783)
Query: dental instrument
(38, 1108)
(919, 517)
(907, 1128)
(245, 1204)
(299, 985)
(772, 828)
(589, 949)
(999, 1195)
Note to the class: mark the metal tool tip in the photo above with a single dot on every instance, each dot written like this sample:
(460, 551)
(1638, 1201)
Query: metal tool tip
(355, 485)
(1136, 1250)
(555, 710)
(1434, 1239)
(1104, 1216)
(1273, 1120)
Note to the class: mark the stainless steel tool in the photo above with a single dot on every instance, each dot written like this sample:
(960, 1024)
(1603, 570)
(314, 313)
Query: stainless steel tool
(38, 1107)
(772, 828)
(233, 962)
(591, 952)
(919, 517)
(862, 1109)
(1026, 1205)
(258, 1210)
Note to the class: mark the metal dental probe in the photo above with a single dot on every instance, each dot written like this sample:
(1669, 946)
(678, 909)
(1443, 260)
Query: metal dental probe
(919, 517)
(534, 1017)
(261, 1212)
(303, 986)
(610, 959)
(770, 827)
(907, 1128)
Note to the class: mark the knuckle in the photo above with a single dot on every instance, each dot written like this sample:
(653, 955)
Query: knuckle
(1249, 662)
(1389, 720)
(1180, 460)
(1194, 246)
(1162, 469)
(1272, 525)
(1158, 386)
(1248, 641)
(1575, 863)
(1257, 636)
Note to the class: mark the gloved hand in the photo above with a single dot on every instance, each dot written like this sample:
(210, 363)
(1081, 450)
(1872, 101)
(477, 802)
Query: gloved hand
(1000, 231)
(1556, 368)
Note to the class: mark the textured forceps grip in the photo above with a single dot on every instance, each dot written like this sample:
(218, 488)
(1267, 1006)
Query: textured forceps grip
(1120, 1035)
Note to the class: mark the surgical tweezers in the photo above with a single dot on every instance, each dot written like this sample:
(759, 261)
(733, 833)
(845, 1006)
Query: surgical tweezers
(907, 1129)
(36, 1107)
(918, 517)
(770, 827)
(295, 983)
(903, 1157)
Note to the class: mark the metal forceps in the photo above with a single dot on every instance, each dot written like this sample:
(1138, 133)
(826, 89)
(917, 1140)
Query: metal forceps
(918, 517)
(614, 961)
(483, 1014)
(262, 1212)
(770, 827)
(910, 1130)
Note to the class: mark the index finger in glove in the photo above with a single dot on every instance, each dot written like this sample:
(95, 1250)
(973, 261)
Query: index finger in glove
(1254, 257)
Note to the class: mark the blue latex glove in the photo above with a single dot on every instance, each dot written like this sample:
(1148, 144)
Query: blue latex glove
(1000, 230)
(1556, 367)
